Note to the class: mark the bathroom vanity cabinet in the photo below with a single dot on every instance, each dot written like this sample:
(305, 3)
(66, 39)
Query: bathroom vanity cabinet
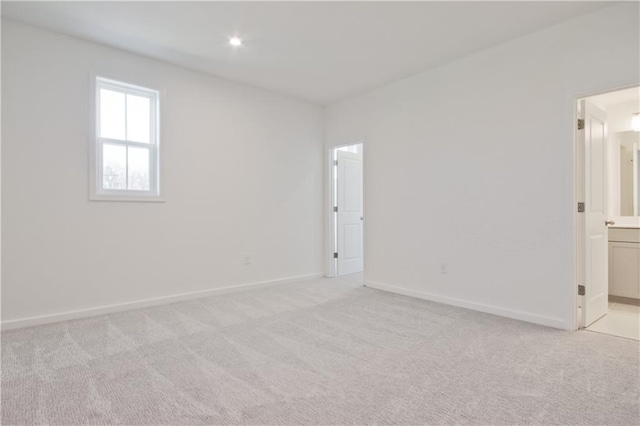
(624, 262)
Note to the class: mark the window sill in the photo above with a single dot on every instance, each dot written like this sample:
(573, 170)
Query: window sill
(120, 199)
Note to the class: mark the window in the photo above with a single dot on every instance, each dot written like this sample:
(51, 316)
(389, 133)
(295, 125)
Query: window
(126, 157)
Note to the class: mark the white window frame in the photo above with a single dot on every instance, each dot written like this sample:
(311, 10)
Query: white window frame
(97, 191)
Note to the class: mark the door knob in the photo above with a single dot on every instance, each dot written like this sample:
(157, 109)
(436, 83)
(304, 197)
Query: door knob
(609, 222)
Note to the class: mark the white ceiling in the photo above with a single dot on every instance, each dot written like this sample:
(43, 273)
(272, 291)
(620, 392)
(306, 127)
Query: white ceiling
(317, 51)
(615, 98)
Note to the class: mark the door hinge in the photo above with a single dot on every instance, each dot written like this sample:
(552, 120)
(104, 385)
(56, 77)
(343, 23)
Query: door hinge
(335, 162)
(581, 290)
(580, 123)
(580, 207)
(335, 209)
(335, 255)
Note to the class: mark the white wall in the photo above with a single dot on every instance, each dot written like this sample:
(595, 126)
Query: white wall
(613, 175)
(619, 127)
(625, 172)
(242, 175)
(472, 164)
(629, 142)
(619, 115)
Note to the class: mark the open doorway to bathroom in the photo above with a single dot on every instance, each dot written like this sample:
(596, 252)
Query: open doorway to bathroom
(347, 211)
(608, 221)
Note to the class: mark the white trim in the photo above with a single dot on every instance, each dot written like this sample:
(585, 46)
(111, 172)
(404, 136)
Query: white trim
(162, 300)
(495, 310)
(330, 242)
(128, 197)
(96, 192)
(578, 231)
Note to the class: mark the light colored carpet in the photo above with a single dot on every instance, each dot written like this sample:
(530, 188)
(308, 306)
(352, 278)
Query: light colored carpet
(318, 352)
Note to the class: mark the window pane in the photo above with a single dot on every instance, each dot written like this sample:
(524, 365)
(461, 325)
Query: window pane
(138, 114)
(139, 168)
(114, 167)
(111, 114)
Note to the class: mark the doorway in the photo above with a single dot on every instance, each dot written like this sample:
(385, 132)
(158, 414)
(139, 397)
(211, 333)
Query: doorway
(347, 211)
(608, 218)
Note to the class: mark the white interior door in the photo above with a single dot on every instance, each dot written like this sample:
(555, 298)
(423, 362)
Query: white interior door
(594, 141)
(349, 217)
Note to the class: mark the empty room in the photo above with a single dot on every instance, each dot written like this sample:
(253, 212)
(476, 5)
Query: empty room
(327, 213)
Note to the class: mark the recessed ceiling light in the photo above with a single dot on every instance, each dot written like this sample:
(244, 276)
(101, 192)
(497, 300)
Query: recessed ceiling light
(235, 41)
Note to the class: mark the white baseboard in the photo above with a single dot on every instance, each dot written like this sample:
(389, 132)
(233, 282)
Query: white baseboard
(496, 310)
(107, 309)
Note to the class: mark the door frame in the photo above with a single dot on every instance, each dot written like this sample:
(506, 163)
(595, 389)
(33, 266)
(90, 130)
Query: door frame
(578, 220)
(331, 269)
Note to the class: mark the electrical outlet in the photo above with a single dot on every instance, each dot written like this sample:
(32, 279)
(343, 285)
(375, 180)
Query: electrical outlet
(443, 268)
(246, 259)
